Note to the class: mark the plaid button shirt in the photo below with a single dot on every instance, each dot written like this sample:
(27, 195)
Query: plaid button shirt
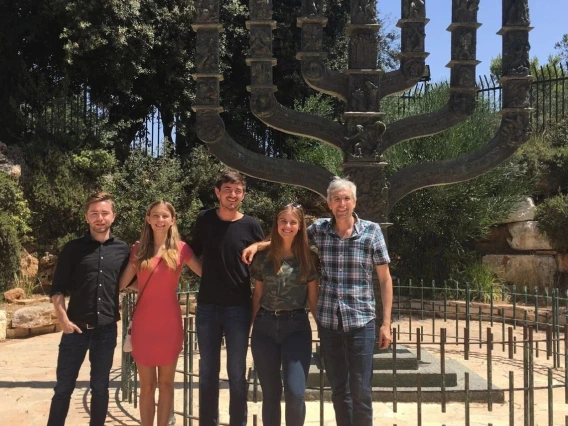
(347, 272)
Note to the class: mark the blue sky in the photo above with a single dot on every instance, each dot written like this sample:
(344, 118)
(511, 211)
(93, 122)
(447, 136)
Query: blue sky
(548, 17)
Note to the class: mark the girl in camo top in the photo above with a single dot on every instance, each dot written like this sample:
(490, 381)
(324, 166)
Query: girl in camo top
(286, 283)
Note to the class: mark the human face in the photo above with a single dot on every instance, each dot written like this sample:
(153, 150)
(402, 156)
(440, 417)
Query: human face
(230, 196)
(160, 219)
(288, 226)
(100, 217)
(342, 203)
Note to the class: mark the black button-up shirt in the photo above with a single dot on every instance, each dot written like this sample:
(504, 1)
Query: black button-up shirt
(89, 271)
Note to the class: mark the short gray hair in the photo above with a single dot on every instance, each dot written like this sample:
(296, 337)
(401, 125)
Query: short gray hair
(339, 183)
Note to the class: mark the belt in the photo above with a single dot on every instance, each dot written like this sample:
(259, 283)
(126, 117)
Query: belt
(280, 312)
(82, 324)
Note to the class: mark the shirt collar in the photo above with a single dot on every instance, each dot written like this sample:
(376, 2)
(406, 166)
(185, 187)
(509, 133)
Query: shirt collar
(356, 226)
(88, 238)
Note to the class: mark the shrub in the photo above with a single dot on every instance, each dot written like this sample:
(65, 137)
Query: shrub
(14, 224)
(435, 228)
(10, 249)
(552, 217)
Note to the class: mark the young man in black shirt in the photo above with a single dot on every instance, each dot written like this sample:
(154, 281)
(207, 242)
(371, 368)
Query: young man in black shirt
(88, 270)
(224, 299)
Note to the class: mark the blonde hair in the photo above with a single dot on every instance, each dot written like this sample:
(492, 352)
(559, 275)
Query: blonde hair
(300, 245)
(145, 251)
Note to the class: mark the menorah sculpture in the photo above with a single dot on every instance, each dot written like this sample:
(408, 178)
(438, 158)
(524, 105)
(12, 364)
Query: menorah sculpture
(362, 137)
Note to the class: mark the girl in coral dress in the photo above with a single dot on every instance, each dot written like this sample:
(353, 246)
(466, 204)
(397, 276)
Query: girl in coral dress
(157, 333)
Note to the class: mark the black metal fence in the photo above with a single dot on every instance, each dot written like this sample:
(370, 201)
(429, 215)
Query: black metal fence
(460, 355)
(75, 113)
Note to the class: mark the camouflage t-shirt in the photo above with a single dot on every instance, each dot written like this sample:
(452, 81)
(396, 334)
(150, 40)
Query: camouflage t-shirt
(285, 290)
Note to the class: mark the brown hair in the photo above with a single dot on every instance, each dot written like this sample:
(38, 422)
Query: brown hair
(230, 176)
(97, 197)
(145, 251)
(300, 245)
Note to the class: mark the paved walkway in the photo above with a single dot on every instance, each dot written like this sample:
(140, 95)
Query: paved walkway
(27, 378)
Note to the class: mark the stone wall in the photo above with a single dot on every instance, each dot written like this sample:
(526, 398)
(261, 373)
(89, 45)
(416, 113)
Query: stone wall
(520, 254)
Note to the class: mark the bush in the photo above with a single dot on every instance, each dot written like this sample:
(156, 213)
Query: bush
(552, 217)
(14, 224)
(10, 250)
(435, 228)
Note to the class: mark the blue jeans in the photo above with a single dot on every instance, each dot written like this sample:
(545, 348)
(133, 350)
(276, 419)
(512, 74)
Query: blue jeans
(284, 340)
(348, 359)
(212, 322)
(100, 342)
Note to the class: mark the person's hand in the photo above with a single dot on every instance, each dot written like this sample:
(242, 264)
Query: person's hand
(384, 337)
(69, 327)
(248, 254)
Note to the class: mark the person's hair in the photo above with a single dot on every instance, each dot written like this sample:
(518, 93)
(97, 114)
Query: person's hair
(145, 251)
(98, 197)
(339, 183)
(230, 176)
(300, 245)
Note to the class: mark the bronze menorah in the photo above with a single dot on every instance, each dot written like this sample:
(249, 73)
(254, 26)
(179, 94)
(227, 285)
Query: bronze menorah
(362, 137)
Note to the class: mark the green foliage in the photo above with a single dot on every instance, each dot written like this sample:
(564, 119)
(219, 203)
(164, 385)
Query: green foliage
(309, 150)
(56, 186)
(552, 217)
(10, 249)
(14, 224)
(545, 156)
(562, 47)
(484, 285)
(140, 181)
(434, 228)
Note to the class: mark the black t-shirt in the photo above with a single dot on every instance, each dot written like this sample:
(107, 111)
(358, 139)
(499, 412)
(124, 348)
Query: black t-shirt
(225, 280)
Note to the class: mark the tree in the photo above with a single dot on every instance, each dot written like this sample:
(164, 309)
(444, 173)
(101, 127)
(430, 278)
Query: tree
(562, 46)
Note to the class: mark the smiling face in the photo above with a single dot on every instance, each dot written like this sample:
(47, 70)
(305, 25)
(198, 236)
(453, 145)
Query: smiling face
(160, 219)
(230, 196)
(288, 225)
(342, 204)
(100, 217)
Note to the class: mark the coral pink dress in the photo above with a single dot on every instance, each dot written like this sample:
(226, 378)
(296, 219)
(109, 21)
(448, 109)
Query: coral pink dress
(157, 331)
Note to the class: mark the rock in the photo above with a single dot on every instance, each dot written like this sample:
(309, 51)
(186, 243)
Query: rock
(562, 262)
(46, 269)
(523, 211)
(526, 236)
(29, 265)
(496, 241)
(14, 294)
(3, 325)
(534, 271)
(34, 316)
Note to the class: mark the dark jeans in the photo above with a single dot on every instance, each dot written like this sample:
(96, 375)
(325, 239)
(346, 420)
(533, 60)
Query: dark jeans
(100, 342)
(212, 322)
(284, 340)
(348, 359)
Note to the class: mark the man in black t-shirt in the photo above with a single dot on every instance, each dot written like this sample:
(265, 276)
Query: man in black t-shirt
(224, 298)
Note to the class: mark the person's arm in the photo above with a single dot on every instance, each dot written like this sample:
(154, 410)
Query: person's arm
(385, 281)
(250, 251)
(195, 265)
(256, 295)
(67, 326)
(126, 276)
(313, 290)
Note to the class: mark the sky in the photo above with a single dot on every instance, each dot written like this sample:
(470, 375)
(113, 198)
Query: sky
(548, 17)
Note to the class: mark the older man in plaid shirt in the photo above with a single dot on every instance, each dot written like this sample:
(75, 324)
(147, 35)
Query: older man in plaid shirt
(350, 250)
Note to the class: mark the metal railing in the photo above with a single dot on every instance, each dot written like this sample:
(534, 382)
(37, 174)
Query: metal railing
(490, 350)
